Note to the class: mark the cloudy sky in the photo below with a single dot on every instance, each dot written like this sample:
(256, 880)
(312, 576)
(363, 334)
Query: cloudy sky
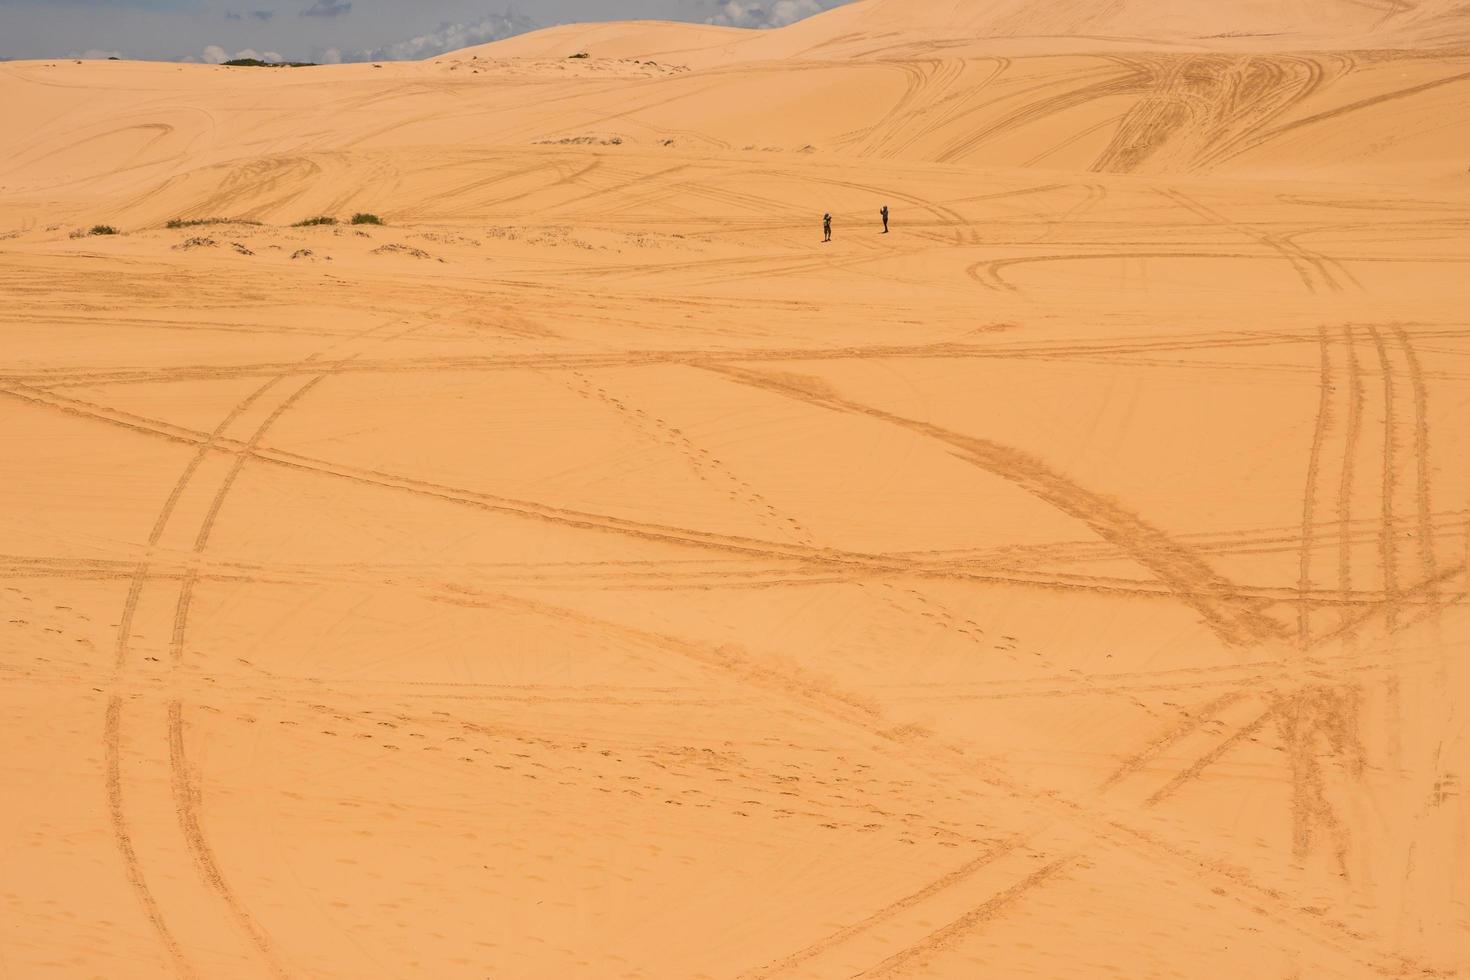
(329, 30)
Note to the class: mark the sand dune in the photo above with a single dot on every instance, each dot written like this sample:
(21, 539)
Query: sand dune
(589, 573)
(1254, 24)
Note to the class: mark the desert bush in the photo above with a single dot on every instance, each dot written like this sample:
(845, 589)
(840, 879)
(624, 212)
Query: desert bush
(103, 230)
(257, 63)
(314, 222)
(364, 218)
(197, 222)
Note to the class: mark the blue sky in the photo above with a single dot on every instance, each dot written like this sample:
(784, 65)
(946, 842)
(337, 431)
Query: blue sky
(329, 30)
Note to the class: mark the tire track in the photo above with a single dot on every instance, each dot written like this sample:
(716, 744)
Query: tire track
(896, 143)
(836, 703)
(675, 574)
(1423, 496)
(1303, 264)
(1351, 436)
(1387, 540)
(1112, 83)
(987, 272)
(969, 920)
(1185, 726)
(947, 935)
(581, 520)
(1309, 496)
(1426, 593)
(183, 785)
(1220, 340)
(1296, 124)
(112, 727)
(184, 781)
(1188, 576)
(1227, 611)
(935, 887)
(122, 837)
(1048, 861)
(700, 461)
(1197, 768)
(839, 708)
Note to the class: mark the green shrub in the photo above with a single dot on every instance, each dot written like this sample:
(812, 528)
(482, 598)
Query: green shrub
(103, 230)
(314, 222)
(196, 222)
(363, 218)
(257, 63)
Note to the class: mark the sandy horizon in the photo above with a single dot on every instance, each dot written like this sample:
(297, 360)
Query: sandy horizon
(589, 572)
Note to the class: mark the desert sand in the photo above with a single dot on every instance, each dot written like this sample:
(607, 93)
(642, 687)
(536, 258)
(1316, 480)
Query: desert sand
(589, 573)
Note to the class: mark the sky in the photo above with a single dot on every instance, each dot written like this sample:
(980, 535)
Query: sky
(330, 30)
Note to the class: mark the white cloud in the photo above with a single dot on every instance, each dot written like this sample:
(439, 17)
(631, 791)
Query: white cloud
(748, 13)
(449, 37)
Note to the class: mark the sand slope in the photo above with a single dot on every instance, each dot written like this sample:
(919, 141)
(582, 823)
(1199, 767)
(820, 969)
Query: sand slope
(1255, 24)
(589, 573)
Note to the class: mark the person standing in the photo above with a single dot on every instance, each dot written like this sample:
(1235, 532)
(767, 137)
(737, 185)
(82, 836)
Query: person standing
(827, 227)
(884, 213)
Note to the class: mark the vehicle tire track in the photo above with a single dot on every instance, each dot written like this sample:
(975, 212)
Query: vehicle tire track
(987, 272)
(184, 784)
(836, 706)
(1303, 264)
(1309, 496)
(1388, 536)
(1423, 496)
(112, 727)
(1190, 578)
(1355, 399)
(700, 461)
(184, 781)
(1197, 768)
(122, 837)
(215, 441)
(1184, 727)
(932, 888)
(948, 934)
(849, 561)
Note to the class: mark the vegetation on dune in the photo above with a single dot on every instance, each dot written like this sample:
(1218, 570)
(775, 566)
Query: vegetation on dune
(196, 222)
(579, 54)
(364, 218)
(257, 63)
(103, 230)
(314, 222)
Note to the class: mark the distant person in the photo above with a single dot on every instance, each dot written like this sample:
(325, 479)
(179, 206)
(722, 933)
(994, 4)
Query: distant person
(826, 227)
(884, 213)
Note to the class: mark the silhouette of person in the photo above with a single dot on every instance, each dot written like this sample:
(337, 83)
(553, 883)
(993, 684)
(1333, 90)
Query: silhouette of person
(827, 227)
(884, 213)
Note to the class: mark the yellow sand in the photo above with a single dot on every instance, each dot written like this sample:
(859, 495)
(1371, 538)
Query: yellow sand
(590, 573)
